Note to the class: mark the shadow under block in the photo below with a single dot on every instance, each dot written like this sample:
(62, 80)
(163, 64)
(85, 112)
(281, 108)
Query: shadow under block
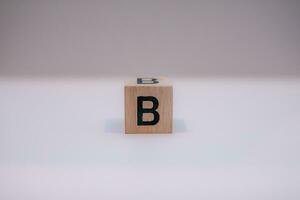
(149, 107)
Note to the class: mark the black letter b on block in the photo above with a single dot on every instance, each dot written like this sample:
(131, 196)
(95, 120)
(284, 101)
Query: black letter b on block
(141, 110)
(147, 81)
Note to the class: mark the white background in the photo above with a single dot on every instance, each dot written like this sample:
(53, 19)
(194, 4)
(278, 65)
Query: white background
(235, 67)
(149, 37)
(233, 139)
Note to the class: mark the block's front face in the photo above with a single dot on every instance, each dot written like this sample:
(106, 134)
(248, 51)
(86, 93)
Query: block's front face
(148, 108)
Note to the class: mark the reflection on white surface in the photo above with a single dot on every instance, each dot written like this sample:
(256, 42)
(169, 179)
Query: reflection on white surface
(239, 139)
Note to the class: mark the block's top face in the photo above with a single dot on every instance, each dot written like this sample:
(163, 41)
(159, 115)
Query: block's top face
(149, 82)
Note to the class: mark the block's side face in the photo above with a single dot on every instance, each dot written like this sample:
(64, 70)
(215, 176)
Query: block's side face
(163, 94)
(130, 109)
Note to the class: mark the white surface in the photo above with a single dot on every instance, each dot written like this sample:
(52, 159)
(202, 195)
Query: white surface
(233, 139)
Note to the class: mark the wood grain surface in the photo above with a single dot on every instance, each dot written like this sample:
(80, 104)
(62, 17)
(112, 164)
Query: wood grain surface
(163, 92)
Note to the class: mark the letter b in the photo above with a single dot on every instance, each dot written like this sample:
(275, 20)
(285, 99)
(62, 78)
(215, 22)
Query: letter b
(141, 110)
(147, 81)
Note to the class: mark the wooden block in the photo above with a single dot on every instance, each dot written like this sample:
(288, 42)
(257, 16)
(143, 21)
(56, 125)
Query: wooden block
(148, 106)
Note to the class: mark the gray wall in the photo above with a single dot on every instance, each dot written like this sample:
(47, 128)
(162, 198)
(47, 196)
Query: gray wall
(199, 38)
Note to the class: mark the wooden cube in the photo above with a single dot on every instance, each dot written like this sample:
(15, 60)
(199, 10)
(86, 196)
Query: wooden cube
(148, 106)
